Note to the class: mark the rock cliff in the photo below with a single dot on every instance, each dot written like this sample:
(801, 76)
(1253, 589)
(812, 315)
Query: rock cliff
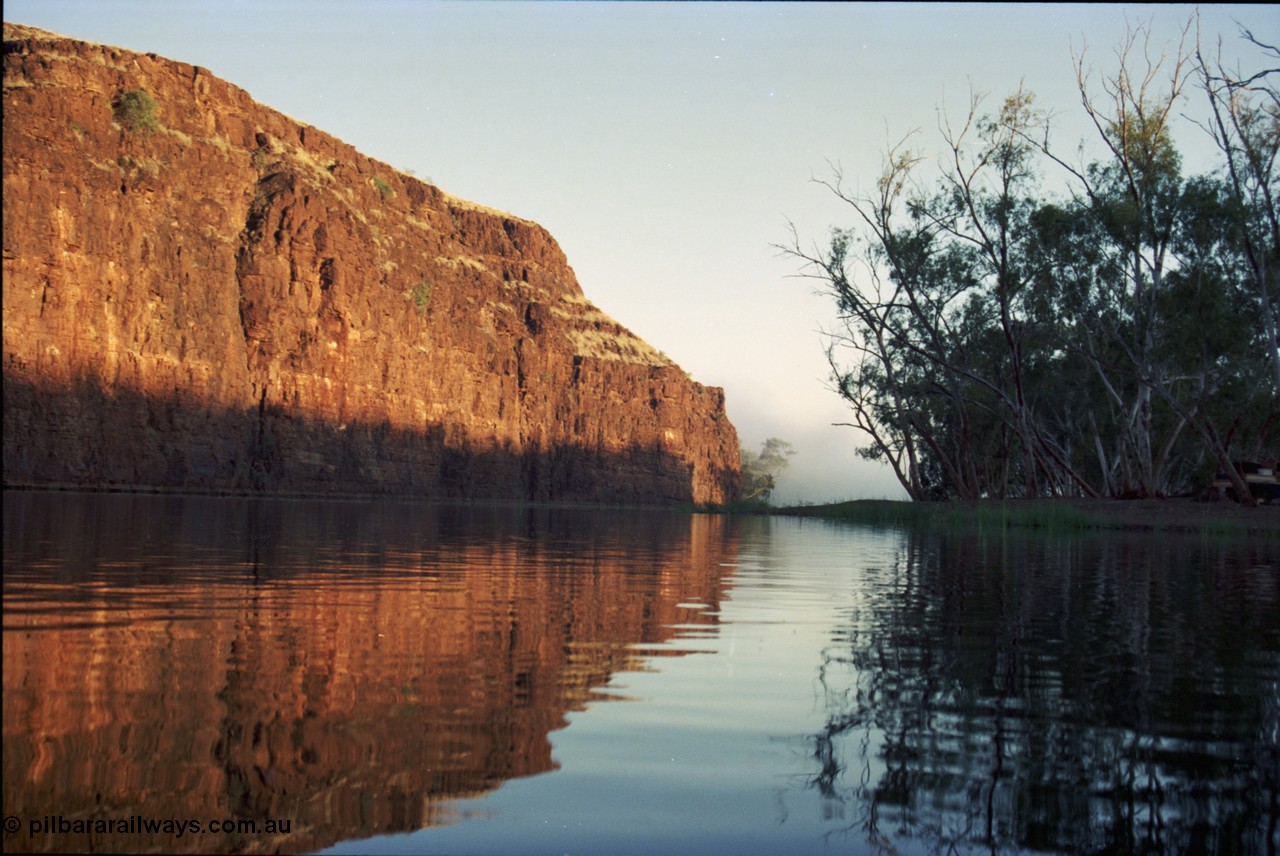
(202, 293)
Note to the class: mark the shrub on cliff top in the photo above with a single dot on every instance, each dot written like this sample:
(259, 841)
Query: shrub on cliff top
(135, 110)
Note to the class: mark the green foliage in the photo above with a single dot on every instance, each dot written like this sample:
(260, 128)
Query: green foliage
(999, 516)
(383, 188)
(761, 471)
(135, 110)
(997, 341)
(421, 294)
(870, 512)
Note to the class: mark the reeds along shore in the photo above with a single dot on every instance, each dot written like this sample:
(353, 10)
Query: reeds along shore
(1173, 515)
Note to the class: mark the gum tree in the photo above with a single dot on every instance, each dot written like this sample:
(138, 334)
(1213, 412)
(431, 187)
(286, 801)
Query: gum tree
(992, 340)
(1245, 125)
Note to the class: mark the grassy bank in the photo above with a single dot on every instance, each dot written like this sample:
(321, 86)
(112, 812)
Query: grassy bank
(1057, 515)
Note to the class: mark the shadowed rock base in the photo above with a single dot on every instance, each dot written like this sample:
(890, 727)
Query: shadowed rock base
(88, 436)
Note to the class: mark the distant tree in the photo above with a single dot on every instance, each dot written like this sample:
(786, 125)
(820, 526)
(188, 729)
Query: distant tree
(760, 472)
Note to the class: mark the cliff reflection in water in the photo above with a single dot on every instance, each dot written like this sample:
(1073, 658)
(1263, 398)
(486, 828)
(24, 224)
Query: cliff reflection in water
(348, 667)
(1065, 695)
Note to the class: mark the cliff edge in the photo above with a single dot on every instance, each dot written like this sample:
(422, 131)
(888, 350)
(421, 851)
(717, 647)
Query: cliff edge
(202, 293)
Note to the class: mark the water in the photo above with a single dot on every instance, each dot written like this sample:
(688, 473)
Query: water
(403, 678)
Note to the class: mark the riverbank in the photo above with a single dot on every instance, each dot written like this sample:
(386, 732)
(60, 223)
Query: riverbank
(1150, 515)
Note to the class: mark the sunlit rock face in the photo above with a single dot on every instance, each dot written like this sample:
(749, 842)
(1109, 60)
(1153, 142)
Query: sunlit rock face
(218, 297)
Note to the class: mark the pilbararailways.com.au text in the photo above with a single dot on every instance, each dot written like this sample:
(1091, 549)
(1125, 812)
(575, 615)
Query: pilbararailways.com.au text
(56, 824)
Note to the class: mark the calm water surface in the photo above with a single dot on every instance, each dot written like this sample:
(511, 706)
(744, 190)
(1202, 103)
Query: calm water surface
(403, 678)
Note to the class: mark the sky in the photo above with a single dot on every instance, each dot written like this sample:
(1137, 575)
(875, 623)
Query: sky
(666, 146)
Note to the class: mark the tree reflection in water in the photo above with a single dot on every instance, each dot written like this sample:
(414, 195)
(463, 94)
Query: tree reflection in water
(1086, 694)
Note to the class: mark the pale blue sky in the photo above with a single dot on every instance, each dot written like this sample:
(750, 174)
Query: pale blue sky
(664, 145)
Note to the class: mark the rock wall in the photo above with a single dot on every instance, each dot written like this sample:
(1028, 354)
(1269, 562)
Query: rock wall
(226, 299)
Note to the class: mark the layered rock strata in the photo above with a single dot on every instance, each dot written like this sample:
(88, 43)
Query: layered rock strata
(201, 293)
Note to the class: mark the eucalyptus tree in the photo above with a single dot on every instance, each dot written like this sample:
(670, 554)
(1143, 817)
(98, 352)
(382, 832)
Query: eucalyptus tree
(939, 322)
(993, 340)
(1135, 193)
(1069, 263)
(899, 293)
(1155, 267)
(989, 194)
(1218, 375)
(1245, 124)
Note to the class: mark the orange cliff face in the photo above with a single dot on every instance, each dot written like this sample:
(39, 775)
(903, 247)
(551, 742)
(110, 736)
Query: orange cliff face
(225, 299)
